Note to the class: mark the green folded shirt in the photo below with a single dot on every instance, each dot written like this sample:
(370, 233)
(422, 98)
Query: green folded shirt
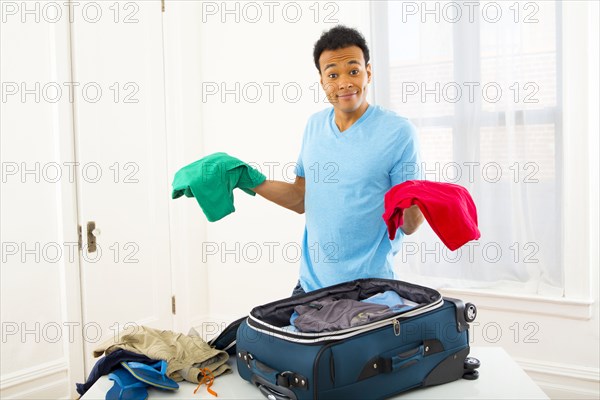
(211, 181)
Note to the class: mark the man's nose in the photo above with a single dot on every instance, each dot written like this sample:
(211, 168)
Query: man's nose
(345, 83)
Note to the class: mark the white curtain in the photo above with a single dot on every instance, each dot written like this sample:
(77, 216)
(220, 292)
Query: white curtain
(481, 83)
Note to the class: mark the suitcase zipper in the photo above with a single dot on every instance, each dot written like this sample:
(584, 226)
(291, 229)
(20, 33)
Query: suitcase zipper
(396, 327)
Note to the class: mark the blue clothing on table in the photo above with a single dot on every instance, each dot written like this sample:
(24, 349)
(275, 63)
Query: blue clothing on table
(109, 363)
(347, 175)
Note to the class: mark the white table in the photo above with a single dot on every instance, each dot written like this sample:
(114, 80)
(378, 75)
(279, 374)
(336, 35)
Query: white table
(499, 378)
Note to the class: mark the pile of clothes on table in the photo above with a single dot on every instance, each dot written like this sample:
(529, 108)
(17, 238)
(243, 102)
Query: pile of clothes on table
(140, 358)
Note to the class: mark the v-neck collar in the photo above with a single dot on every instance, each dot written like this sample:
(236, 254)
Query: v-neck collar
(353, 127)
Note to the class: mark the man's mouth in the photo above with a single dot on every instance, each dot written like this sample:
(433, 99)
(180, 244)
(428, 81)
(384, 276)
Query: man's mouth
(346, 95)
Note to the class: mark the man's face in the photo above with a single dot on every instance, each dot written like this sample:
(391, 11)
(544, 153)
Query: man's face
(344, 77)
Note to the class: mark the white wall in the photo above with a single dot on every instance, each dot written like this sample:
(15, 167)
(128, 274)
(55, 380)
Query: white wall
(182, 41)
(265, 131)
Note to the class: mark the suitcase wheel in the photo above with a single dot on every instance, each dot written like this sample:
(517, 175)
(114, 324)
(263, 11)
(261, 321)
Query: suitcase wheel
(471, 375)
(471, 364)
(470, 312)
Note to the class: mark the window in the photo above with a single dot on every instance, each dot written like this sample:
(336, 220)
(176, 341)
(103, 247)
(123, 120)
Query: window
(481, 81)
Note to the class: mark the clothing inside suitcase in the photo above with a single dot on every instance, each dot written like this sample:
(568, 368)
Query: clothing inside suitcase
(277, 314)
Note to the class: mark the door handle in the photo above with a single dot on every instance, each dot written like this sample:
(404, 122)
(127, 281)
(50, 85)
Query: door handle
(92, 234)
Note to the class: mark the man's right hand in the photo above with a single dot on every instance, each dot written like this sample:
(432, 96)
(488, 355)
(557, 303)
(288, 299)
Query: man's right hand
(288, 195)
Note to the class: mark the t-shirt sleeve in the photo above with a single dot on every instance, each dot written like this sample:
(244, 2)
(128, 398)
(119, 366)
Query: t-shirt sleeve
(300, 163)
(300, 166)
(408, 163)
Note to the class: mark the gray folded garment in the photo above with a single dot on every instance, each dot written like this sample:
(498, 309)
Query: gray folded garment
(333, 315)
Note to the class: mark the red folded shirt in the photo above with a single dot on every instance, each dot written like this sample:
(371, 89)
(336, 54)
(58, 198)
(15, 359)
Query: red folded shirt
(448, 208)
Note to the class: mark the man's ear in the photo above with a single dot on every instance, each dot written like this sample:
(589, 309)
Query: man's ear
(369, 72)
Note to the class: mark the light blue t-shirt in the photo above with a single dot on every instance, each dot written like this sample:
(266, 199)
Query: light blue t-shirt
(347, 175)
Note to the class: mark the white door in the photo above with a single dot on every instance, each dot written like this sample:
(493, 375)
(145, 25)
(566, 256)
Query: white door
(123, 184)
(41, 348)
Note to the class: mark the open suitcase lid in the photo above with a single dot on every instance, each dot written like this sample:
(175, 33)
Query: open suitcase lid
(274, 317)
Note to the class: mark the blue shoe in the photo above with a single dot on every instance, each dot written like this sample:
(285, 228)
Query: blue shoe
(126, 387)
(151, 374)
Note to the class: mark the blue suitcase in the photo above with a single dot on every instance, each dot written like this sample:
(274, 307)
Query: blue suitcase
(424, 346)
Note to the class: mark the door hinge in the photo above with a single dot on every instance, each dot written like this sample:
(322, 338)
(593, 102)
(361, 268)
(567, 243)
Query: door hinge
(173, 305)
(79, 243)
(162, 5)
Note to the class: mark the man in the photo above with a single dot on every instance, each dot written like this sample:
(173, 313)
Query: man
(351, 155)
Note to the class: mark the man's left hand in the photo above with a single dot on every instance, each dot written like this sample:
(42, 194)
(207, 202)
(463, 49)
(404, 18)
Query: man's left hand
(413, 218)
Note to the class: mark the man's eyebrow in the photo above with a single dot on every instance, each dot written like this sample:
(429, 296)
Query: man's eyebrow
(349, 63)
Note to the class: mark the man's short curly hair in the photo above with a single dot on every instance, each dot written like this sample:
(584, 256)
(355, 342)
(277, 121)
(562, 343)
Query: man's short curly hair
(340, 37)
